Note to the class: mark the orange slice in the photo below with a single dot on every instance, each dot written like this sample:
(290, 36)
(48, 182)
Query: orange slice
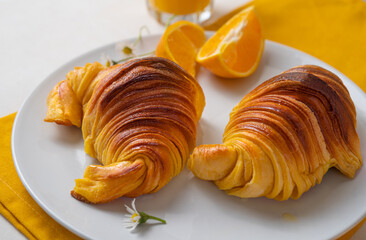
(235, 50)
(180, 43)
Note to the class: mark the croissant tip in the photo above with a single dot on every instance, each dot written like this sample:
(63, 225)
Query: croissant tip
(79, 197)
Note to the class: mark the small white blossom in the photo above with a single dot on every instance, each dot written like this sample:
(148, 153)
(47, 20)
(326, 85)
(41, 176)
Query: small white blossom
(128, 48)
(125, 48)
(106, 60)
(134, 218)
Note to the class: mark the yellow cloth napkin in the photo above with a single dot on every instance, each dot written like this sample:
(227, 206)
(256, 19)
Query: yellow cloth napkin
(16, 204)
(333, 31)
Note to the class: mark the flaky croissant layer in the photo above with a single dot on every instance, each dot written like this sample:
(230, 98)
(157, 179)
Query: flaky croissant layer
(138, 119)
(283, 137)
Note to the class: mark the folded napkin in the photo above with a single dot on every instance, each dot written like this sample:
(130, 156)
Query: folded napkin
(16, 204)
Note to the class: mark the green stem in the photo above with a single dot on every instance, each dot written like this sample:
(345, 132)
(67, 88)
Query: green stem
(132, 57)
(170, 20)
(145, 217)
(157, 219)
(138, 39)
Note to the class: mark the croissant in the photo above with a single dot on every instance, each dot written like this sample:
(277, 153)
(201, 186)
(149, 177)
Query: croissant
(138, 119)
(283, 137)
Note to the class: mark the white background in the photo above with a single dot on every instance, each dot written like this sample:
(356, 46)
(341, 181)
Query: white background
(37, 37)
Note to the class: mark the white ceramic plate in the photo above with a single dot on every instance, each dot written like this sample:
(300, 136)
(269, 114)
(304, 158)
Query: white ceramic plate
(49, 157)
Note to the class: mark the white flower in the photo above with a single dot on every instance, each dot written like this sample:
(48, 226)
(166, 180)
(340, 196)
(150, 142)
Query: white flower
(129, 48)
(135, 217)
(106, 60)
(125, 48)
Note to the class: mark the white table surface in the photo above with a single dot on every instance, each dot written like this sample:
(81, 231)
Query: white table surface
(37, 37)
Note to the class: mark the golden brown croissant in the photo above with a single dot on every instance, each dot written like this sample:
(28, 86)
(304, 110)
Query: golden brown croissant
(283, 137)
(138, 119)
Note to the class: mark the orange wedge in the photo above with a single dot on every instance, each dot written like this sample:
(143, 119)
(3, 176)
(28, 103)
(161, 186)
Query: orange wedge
(180, 43)
(235, 50)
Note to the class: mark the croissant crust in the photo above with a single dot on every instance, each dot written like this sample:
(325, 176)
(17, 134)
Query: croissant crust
(283, 137)
(138, 119)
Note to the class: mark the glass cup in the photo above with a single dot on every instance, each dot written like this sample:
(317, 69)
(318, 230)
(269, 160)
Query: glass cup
(169, 11)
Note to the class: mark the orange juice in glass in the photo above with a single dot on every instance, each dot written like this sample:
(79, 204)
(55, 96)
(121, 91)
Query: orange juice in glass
(165, 11)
